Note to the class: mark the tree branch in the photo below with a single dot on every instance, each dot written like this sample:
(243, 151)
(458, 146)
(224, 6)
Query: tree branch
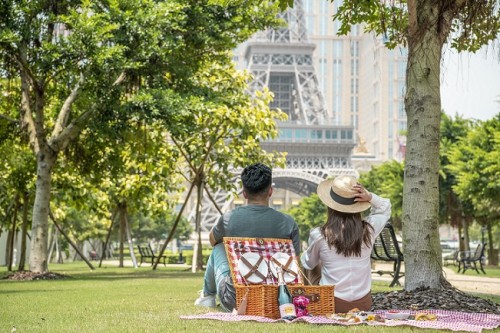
(26, 112)
(24, 67)
(212, 199)
(62, 119)
(12, 120)
(59, 142)
(183, 153)
(120, 79)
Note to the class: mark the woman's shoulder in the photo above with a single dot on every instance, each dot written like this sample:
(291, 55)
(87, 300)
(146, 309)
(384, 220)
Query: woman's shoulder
(315, 234)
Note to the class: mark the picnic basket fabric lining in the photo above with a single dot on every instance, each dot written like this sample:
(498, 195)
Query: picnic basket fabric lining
(266, 247)
(262, 298)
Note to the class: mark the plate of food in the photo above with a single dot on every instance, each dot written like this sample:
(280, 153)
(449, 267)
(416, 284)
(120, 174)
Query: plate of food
(355, 316)
(344, 317)
(425, 316)
(397, 315)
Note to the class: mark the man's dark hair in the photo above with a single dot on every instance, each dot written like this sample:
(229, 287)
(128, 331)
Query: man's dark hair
(256, 178)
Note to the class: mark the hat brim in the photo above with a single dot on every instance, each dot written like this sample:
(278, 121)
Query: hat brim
(323, 191)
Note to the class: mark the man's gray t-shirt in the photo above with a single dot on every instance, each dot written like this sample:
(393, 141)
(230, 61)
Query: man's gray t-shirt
(252, 221)
(257, 221)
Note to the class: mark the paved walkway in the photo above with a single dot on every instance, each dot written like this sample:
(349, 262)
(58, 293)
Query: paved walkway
(477, 283)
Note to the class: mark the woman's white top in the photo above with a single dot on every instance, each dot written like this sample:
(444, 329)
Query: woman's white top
(351, 276)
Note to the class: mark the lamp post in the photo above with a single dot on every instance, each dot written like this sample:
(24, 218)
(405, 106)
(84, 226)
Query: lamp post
(483, 229)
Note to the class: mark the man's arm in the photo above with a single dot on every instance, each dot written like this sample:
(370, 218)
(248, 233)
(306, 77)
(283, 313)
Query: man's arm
(218, 230)
(213, 242)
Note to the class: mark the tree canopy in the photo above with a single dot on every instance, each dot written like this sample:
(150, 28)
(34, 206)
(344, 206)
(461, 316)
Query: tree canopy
(74, 62)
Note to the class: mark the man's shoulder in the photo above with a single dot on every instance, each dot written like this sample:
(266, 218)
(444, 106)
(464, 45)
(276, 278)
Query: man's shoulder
(288, 217)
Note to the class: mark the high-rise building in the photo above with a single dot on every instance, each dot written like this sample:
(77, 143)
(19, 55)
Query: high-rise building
(363, 83)
(343, 96)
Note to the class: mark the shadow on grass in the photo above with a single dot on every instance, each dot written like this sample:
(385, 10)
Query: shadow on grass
(109, 273)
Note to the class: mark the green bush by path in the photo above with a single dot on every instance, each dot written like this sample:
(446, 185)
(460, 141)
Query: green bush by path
(112, 299)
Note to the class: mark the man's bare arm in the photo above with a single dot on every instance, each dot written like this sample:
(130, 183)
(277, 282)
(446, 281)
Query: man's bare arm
(212, 238)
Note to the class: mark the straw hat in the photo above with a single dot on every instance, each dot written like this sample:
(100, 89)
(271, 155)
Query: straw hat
(338, 194)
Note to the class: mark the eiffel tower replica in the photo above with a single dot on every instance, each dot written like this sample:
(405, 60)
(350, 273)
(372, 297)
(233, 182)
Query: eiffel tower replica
(282, 60)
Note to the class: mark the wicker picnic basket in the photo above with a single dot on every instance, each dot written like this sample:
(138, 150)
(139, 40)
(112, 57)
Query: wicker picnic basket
(262, 298)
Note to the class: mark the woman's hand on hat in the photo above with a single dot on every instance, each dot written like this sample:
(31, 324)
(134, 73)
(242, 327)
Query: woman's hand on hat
(363, 195)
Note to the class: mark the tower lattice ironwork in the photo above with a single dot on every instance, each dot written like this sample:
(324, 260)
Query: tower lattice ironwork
(282, 60)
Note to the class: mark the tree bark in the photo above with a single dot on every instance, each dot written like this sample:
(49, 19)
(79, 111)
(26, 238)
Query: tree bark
(39, 233)
(129, 240)
(492, 252)
(12, 239)
(428, 30)
(122, 233)
(24, 232)
(105, 246)
(197, 264)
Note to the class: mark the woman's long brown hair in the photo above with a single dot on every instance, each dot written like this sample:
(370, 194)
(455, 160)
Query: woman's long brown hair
(346, 232)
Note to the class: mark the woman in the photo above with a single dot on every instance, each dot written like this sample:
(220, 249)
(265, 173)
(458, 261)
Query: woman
(342, 246)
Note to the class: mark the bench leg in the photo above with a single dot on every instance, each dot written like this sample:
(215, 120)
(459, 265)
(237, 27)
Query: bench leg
(397, 267)
(475, 267)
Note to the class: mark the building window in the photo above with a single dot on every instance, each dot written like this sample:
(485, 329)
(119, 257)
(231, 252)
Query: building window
(317, 134)
(301, 134)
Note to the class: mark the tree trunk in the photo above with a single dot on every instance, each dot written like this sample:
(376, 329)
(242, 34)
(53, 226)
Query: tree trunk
(39, 232)
(106, 242)
(12, 239)
(52, 244)
(465, 237)
(427, 34)
(24, 232)
(129, 239)
(492, 252)
(122, 233)
(197, 264)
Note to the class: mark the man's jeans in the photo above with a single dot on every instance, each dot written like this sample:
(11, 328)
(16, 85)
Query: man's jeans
(217, 280)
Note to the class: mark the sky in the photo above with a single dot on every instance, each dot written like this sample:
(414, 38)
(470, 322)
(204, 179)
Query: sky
(470, 83)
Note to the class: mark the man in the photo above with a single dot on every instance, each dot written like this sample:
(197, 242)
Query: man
(255, 219)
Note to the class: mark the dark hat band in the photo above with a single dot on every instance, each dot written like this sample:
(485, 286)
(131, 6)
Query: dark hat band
(341, 200)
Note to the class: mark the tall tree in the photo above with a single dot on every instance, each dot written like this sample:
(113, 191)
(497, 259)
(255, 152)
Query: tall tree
(221, 132)
(424, 26)
(75, 59)
(474, 163)
(452, 210)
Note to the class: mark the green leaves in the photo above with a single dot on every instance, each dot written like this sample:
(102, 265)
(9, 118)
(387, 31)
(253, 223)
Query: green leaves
(474, 162)
(310, 213)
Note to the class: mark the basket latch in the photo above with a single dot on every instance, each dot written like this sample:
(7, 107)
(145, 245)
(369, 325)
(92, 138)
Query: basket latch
(313, 297)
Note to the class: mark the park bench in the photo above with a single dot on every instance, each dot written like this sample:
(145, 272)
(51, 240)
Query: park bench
(386, 248)
(453, 258)
(470, 258)
(147, 255)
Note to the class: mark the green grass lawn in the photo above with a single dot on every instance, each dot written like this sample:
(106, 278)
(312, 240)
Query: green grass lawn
(112, 299)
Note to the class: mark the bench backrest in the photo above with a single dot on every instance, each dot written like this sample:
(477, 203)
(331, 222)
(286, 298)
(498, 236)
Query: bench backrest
(145, 251)
(386, 245)
(479, 252)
